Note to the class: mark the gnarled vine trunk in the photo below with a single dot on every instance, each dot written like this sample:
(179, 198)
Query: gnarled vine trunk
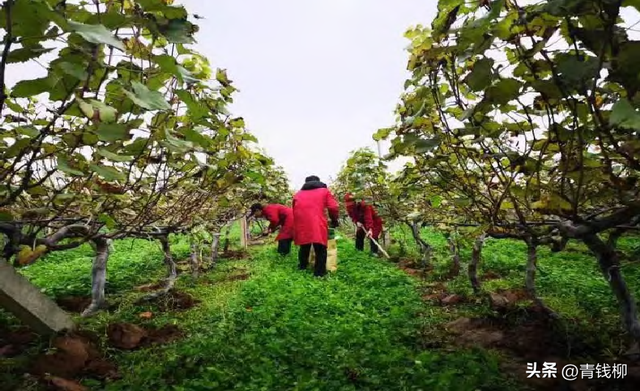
(609, 266)
(195, 264)
(476, 255)
(425, 248)
(172, 274)
(530, 279)
(455, 256)
(98, 276)
(215, 242)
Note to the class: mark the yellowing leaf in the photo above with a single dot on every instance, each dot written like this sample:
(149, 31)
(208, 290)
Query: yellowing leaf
(86, 108)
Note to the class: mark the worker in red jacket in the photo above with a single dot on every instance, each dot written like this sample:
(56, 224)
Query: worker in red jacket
(367, 220)
(279, 216)
(310, 222)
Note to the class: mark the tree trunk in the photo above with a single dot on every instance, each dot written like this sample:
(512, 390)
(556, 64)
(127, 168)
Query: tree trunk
(171, 270)
(425, 248)
(475, 261)
(195, 265)
(215, 242)
(455, 256)
(609, 266)
(98, 277)
(530, 279)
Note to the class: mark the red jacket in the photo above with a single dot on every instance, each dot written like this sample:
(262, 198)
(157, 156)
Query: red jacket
(364, 214)
(279, 216)
(309, 217)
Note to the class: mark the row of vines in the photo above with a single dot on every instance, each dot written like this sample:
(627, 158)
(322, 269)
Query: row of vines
(126, 134)
(521, 121)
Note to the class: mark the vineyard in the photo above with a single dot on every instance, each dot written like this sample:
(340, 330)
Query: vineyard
(513, 232)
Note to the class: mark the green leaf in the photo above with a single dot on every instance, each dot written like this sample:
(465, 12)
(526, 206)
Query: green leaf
(170, 65)
(109, 173)
(177, 31)
(64, 166)
(96, 33)
(26, 54)
(75, 70)
(108, 221)
(192, 135)
(28, 88)
(462, 201)
(16, 108)
(221, 77)
(547, 88)
(624, 115)
(447, 15)
(481, 76)
(38, 191)
(382, 134)
(436, 201)
(113, 156)
(112, 132)
(145, 98)
(28, 130)
(197, 110)
(237, 123)
(506, 205)
(568, 7)
(89, 138)
(575, 70)
(137, 147)
(426, 145)
(624, 68)
(503, 91)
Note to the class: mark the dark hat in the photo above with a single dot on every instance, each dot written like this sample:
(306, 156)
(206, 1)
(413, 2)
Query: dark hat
(312, 178)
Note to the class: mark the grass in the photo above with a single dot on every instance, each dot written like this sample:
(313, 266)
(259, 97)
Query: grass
(284, 329)
(570, 281)
(362, 328)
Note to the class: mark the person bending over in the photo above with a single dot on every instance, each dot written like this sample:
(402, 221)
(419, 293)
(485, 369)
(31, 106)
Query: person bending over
(366, 219)
(279, 216)
(310, 222)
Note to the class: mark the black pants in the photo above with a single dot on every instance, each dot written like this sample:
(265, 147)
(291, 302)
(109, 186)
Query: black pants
(284, 246)
(360, 235)
(321, 258)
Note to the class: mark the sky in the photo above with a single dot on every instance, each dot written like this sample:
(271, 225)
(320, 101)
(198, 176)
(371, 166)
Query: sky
(316, 77)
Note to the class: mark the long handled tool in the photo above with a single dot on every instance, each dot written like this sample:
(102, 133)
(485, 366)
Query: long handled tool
(379, 246)
(373, 240)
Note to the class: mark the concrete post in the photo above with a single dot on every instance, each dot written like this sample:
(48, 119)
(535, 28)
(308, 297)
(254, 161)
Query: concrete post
(243, 233)
(27, 303)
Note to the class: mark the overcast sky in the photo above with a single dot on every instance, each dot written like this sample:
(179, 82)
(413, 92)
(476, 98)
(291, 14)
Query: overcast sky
(316, 77)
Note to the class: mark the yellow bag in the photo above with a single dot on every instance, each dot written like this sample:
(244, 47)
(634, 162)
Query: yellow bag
(332, 256)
